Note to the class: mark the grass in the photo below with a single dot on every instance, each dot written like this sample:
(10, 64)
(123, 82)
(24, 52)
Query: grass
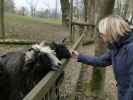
(30, 20)
(33, 28)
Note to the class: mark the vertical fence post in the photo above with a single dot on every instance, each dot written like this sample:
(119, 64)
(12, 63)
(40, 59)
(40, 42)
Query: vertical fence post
(2, 27)
(70, 20)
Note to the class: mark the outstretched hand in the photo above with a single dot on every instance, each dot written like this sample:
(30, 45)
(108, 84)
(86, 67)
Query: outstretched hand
(74, 54)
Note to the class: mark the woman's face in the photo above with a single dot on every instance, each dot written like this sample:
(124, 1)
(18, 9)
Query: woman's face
(104, 37)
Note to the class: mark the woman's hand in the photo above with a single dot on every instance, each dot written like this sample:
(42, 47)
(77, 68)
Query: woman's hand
(74, 54)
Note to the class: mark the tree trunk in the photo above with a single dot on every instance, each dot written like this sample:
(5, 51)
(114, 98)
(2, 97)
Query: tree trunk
(85, 9)
(89, 12)
(65, 7)
(130, 11)
(124, 8)
(2, 30)
(102, 9)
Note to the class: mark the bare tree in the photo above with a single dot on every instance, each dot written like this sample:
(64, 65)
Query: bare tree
(85, 9)
(76, 8)
(89, 16)
(118, 7)
(125, 9)
(65, 7)
(48, 7)
(33, 5)
(2, 28)
(102, 9)
(129, 14)
(9, 5)
(94, 11)
(56, 9)
(23, 11)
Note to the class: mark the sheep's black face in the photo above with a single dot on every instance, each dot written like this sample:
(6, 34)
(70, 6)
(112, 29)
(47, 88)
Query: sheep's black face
(38, 61)
(43, 62)
(61, 50)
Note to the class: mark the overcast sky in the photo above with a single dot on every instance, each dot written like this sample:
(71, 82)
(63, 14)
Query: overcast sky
(42, 4)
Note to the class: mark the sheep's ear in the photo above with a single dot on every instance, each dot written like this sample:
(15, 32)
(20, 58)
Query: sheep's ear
(30, 49)
(53, 45)
(42, 43)
(58, 42)
(29, 56)
(62, 41)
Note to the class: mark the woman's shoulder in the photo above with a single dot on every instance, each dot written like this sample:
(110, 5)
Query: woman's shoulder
(129, 48)
(130, 45)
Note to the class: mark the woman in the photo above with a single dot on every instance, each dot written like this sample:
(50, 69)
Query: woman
(115, 32)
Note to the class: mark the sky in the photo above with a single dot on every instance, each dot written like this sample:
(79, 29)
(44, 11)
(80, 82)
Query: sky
(42, 4)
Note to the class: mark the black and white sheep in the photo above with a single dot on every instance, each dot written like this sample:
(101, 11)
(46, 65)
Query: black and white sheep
(21, 70)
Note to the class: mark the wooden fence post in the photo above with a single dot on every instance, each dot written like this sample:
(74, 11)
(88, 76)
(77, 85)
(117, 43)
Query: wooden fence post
(70, 20)
(2, 25)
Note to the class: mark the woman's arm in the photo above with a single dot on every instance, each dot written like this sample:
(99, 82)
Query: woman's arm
(103, 60)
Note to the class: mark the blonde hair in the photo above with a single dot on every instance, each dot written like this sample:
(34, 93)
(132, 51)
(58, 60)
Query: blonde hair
(114, 27)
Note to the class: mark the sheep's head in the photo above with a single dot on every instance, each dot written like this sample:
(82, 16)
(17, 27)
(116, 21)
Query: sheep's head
(61, 50)
(43, 55)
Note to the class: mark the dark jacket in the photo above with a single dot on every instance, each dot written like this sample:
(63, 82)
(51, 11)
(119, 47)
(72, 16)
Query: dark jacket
(120, 56)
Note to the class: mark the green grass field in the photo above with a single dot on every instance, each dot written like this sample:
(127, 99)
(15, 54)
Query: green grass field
(33, 28)
(30, 20)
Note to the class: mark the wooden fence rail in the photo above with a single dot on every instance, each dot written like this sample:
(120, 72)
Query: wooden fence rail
(48, 87)
(82, 24)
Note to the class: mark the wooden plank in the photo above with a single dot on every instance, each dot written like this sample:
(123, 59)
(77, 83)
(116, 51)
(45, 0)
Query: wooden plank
(70, 20)
(53, 95)
(75, 46)
(16, 41)
(82, 24)
(49, 80)
(42, 87)
(2, 19)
